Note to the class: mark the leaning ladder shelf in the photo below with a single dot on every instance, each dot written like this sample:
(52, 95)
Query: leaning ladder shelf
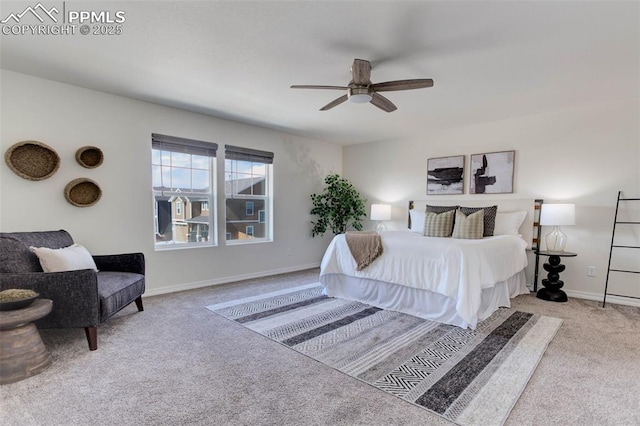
(616, 246)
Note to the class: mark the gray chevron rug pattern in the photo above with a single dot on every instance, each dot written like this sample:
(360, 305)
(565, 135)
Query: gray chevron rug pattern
(470, 377)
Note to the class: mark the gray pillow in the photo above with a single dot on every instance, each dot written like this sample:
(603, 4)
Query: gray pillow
(438, 224)
(489, 217)
(440, 209)
(469, 227)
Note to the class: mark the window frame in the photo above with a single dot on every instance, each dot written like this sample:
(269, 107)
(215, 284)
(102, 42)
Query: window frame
(175, 145)
(235, 153)
(248, 208)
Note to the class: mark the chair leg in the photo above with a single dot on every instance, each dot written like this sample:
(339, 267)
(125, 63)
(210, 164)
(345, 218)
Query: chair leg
(92, 337)
(139, 303)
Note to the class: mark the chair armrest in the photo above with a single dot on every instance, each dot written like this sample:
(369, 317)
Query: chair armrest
(129, 262)
(74, 295)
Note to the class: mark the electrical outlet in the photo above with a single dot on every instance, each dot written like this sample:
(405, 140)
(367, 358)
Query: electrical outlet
(591, 271)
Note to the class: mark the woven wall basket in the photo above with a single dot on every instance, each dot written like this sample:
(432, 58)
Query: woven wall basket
(32, 160)
(82, 192)
(89, 157)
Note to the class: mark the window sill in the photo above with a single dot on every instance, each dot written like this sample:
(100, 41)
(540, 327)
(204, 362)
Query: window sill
(246, 242)
(171, 247)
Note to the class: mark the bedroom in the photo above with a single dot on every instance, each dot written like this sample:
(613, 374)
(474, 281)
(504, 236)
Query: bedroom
(573, 120)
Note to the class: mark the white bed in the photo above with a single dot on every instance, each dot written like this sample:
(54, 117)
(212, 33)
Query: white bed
(449, 280)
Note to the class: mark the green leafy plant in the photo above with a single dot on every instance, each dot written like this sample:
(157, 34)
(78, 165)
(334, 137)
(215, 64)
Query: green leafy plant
(339, 207)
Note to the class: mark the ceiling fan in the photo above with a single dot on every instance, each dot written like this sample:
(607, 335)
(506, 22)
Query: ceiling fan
(361, 90)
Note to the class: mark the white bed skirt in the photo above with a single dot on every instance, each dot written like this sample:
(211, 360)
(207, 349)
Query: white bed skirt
(421, 303)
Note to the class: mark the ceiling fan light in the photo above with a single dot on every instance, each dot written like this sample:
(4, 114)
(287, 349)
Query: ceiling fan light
(360, 98)
(359, 94)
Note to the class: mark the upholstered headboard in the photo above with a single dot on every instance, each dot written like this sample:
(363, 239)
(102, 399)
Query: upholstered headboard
(529, 228)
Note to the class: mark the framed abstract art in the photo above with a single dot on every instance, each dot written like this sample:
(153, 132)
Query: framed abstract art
(445, 175)
(492, 173)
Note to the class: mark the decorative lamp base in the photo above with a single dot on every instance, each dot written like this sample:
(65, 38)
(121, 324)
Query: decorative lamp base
(556, 240)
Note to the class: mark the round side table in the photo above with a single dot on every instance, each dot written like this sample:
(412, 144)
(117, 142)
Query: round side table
(553, 284)
(22, 353)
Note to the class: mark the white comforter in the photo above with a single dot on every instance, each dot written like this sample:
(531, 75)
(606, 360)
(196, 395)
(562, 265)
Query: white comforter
(455, 268)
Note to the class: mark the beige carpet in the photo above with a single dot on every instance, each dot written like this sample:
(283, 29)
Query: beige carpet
(176, 363)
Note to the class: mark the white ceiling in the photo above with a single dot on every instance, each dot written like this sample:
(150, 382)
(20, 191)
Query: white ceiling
(489, 60)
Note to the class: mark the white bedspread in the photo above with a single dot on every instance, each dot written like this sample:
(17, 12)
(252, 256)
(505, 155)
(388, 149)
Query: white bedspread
(456, 268)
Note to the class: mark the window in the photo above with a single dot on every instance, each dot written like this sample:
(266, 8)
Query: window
(248, 187)
(183, 179)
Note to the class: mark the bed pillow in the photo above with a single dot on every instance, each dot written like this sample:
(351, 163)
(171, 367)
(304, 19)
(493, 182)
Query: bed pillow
(509, 223)
(440, 209)
(489, 217)
(438, 224)
(417, 221)
(443, 209)
(469, 227)
(69, 258)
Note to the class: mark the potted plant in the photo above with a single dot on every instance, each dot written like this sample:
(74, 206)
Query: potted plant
(338, 207)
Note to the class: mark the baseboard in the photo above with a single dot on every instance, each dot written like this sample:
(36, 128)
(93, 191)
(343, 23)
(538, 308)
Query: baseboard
(225, 280)
(599, 296)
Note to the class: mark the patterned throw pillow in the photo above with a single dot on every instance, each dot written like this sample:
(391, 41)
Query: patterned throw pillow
(469, 227)
(440, 209)
(438, 224)
(489, 217)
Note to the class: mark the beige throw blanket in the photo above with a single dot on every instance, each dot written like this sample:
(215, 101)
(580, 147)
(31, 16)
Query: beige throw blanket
(365, 247)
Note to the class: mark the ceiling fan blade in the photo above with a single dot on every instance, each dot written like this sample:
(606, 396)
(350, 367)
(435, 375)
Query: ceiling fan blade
(319, 87)
(361, 72)
(389, 86)
(382, 102)
(335, 102)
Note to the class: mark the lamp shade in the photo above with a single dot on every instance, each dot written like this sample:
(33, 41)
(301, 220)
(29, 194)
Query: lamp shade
(380, 211)
(558, 214)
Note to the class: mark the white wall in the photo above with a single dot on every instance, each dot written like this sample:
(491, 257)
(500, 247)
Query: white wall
(67, 117)
(583, 156)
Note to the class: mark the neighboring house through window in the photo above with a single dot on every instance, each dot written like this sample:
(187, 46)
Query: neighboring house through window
(248, 191)
(183, 179)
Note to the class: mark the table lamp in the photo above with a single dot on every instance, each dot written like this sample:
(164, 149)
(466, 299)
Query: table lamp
(556, 215)
(381, 212)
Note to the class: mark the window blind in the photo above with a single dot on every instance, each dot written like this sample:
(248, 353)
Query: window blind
(187, 146)
(247, 154)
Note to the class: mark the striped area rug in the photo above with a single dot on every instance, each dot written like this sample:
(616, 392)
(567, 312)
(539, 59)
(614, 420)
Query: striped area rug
(467, 376)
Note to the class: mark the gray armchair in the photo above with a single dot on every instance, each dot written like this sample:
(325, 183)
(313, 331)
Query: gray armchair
(82, 298)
